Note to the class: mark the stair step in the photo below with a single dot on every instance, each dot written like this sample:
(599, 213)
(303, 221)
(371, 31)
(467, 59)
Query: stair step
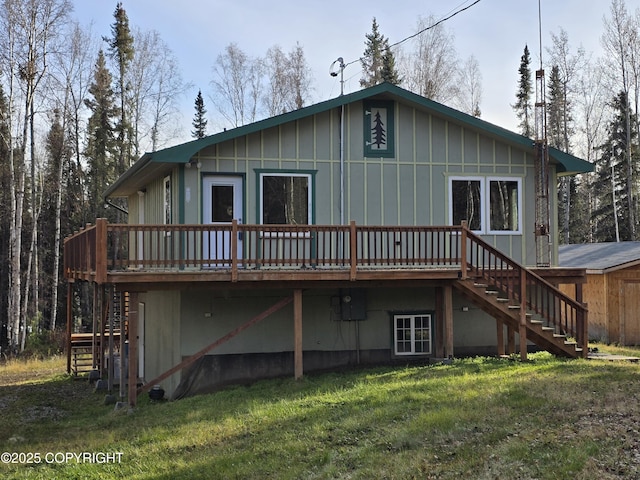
(559, 335)
(480, 285)
(548, 329)
(514, 307)
(535, 322)
(502, 300)
(569, 342)
(491, 292)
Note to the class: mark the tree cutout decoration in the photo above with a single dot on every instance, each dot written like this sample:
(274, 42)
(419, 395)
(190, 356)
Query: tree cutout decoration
(379, 132)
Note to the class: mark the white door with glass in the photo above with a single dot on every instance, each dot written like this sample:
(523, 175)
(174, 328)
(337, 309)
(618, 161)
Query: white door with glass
(221, 204)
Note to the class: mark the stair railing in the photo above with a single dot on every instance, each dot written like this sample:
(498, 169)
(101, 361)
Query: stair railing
(521, 285)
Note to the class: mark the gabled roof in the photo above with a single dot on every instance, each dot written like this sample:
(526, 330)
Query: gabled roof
(600, 257)
(161, 160)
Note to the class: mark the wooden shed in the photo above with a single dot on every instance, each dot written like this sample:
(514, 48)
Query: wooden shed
(612, 291)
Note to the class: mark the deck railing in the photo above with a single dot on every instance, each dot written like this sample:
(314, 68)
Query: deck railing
(102, 248)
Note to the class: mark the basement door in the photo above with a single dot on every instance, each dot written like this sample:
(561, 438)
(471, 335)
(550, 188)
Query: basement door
(630, 328)
(221, 203)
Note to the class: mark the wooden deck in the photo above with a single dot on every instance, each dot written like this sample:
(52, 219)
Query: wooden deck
(138, 258)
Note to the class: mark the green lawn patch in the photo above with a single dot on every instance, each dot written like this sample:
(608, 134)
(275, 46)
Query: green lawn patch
(478, 418)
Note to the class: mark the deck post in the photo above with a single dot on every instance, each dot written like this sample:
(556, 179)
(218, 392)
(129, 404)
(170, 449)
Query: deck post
(123, 370)
(297, 333)
(511, 340)
(97, 304)
(101, 250)
(522, 331)
(448, 320)
(133, 348)
(353, 250)
(440, 324)
(69, 325)
(463, 251)
(234, 250)
(111, 369)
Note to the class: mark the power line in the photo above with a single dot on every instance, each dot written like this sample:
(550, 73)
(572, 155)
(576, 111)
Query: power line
(423, 30)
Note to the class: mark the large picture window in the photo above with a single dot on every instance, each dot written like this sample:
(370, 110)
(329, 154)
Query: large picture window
(412, 334)
(285, 198)
(491, 205)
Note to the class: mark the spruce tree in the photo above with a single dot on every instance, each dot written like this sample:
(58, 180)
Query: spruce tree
(612, 222)
(378, 62)
(389, 72)
(199, 120)
(522, 106)
(101, 149)
(121, 51)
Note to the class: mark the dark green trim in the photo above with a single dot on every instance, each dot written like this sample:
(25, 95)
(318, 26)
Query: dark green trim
(382, 92)
(367, 115)
(181, 195)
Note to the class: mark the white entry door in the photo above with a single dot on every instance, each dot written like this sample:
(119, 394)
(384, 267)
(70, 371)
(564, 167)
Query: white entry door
(222, 203)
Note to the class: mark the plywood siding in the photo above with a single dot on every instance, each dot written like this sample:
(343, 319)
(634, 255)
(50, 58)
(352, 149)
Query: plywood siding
(408, 189)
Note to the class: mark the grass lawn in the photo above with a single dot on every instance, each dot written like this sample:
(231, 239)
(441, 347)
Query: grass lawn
(478, 418)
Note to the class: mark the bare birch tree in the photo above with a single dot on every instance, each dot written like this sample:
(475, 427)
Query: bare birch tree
(468, 92)
(155, 86)
(237, 85)
(29, 29)
(430, 69)
(287, 80)
(622, 52)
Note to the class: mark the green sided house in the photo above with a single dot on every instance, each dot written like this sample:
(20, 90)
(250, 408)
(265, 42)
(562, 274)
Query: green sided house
(375, 227)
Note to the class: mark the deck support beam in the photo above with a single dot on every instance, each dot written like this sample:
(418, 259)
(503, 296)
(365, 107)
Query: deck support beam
(69, 325)
(522, 331)
(297, 333)
(447, 305)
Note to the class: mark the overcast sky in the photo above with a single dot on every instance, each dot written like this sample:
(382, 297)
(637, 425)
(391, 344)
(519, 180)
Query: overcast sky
(494, 31)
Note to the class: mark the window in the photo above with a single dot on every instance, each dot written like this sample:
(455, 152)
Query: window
(497, 212)
(285, 198)
(412, 334)
(504, 198)
(466, 203)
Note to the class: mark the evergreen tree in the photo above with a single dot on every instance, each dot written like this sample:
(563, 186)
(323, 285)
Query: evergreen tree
(101, 146)
(522, 106)
(121, 51)
(5, 219)
(378, 62)
(199, 120)
(612, 219)
(389, 72)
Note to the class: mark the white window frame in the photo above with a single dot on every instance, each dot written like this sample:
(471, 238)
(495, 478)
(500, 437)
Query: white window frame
(310, 192)
(518, 180)
(485, 201)
(412, 317)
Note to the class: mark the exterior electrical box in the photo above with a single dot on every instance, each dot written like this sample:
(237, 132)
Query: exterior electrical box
(353, 304)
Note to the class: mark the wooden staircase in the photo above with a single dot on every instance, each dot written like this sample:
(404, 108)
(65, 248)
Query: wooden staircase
(522, 301)
(86, 352)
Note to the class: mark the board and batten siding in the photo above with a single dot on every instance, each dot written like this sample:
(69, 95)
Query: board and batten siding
(408, 189)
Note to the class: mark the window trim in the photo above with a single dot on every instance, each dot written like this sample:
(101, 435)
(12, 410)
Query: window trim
(310, 174)
(498, 178)
(412, 315)
(485, 201)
